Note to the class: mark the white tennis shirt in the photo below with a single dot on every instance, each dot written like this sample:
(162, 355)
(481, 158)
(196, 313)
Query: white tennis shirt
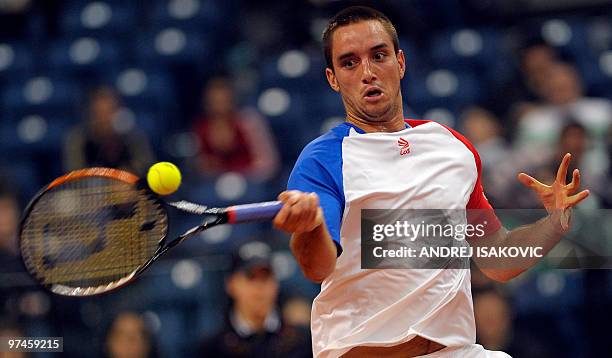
(425, 166)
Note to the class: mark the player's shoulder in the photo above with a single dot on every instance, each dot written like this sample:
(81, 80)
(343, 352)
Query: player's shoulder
(327, 146)
(455, 133)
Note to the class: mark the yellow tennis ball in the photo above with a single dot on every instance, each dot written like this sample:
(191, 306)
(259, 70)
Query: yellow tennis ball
(164, 178)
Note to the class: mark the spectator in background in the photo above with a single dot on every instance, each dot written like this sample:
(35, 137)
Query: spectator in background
(253, 327)
(13, 278)
(296, 312)
(539, 128)
(105, 142)
(483, 129)
(129, 337)
(233, 140)
(11, 330)
(521, 92)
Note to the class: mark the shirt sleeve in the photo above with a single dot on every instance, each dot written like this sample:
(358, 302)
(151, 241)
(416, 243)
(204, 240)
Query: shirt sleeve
(311, 175)
(479, 210)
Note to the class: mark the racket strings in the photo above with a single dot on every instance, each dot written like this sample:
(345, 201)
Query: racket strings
(91, 232)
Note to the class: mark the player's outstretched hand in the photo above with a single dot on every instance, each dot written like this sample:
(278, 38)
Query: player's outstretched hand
(301, 212)
(559, 197)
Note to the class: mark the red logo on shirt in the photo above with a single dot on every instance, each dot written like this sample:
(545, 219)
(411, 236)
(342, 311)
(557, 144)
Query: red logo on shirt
(404, 146)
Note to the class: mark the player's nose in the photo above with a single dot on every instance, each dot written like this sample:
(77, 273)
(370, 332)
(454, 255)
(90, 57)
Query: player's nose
(367, 75)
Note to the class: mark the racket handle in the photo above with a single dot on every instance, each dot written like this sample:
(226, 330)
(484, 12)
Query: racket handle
(253, 212)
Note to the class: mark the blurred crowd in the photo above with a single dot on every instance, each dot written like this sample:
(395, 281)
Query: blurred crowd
(231, 91)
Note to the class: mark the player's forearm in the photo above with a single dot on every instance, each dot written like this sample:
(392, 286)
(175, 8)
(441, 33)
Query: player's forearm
(539, 237)
(315, 252)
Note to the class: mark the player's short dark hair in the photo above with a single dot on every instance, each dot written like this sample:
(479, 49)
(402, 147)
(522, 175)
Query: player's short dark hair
(352, 15)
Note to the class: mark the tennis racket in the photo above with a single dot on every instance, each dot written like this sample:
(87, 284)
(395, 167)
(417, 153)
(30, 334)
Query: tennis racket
(97, 229)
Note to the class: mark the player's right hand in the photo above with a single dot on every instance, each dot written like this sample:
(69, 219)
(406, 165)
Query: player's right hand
(301, 212)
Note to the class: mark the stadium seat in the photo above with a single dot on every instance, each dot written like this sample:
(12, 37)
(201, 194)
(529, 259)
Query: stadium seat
(172, 45)
(73, 54)
(82, 18)
(44, 94)
(16, 60)
(200, 15)
(142, 89)
(466, 48)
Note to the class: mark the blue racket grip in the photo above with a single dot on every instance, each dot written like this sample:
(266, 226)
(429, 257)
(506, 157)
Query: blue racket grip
(253, 212)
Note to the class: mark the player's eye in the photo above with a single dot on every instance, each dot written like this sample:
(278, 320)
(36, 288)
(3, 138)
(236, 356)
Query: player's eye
(349, 63)
(379, 56)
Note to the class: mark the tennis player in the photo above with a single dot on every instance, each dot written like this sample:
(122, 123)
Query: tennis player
(379, 160)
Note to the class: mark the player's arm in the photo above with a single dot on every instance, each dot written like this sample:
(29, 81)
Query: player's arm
(311, 242)
(558, 199)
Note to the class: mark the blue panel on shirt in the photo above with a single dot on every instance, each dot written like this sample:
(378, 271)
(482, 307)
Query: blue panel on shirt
(319, 170)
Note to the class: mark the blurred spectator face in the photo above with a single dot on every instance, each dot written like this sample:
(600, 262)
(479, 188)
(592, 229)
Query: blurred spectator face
(218, 99)
(562, 85)
(574, 139)
(363, 56)
(537, 58)
(9, 220)
(535, 61)
(479, 125)
(492, 315)
(102, 108)
(254, 292)
(128, 337)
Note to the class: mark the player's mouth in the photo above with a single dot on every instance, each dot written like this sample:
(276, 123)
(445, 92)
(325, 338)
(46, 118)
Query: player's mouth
(373, 94)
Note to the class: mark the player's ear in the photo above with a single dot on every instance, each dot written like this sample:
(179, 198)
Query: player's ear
(401, 59)
(331, 79)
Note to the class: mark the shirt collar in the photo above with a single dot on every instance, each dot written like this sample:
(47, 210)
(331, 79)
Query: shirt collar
(244, 329)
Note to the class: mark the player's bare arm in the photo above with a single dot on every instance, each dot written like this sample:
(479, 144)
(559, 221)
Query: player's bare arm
(311, 242)
(558, 199)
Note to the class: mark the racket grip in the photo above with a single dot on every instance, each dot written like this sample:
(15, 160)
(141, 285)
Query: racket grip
(253, 212)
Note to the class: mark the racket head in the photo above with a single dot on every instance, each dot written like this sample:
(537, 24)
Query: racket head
(91, 231)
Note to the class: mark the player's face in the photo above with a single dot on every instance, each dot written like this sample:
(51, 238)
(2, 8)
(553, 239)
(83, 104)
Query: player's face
(367, 71)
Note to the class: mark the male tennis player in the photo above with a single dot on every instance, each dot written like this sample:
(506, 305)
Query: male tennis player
(376, 159)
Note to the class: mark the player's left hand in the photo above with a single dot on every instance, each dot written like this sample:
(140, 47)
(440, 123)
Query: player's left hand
(560, 197)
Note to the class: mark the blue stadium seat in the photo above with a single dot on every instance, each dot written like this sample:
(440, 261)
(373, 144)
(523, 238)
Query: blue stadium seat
(171, 337)
(142, 89)
(569, 35)
(172, 45)
(16, 60)
(442, 88)
(23, 173)
(46, 95)
(72, 54)
(98, 17)
(33, 134)
(466, 48)
(204, 16)
(553, 292)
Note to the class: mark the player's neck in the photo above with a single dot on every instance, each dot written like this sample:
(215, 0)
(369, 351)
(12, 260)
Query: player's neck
(394, 125)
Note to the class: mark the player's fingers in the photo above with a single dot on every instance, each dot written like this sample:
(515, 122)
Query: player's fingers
(575, 184)
(281, 218)
(530, 181)
(575, 199)
(311, 216)
(284, 195)
(289, 195)
(303, 214)
(562, 171)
